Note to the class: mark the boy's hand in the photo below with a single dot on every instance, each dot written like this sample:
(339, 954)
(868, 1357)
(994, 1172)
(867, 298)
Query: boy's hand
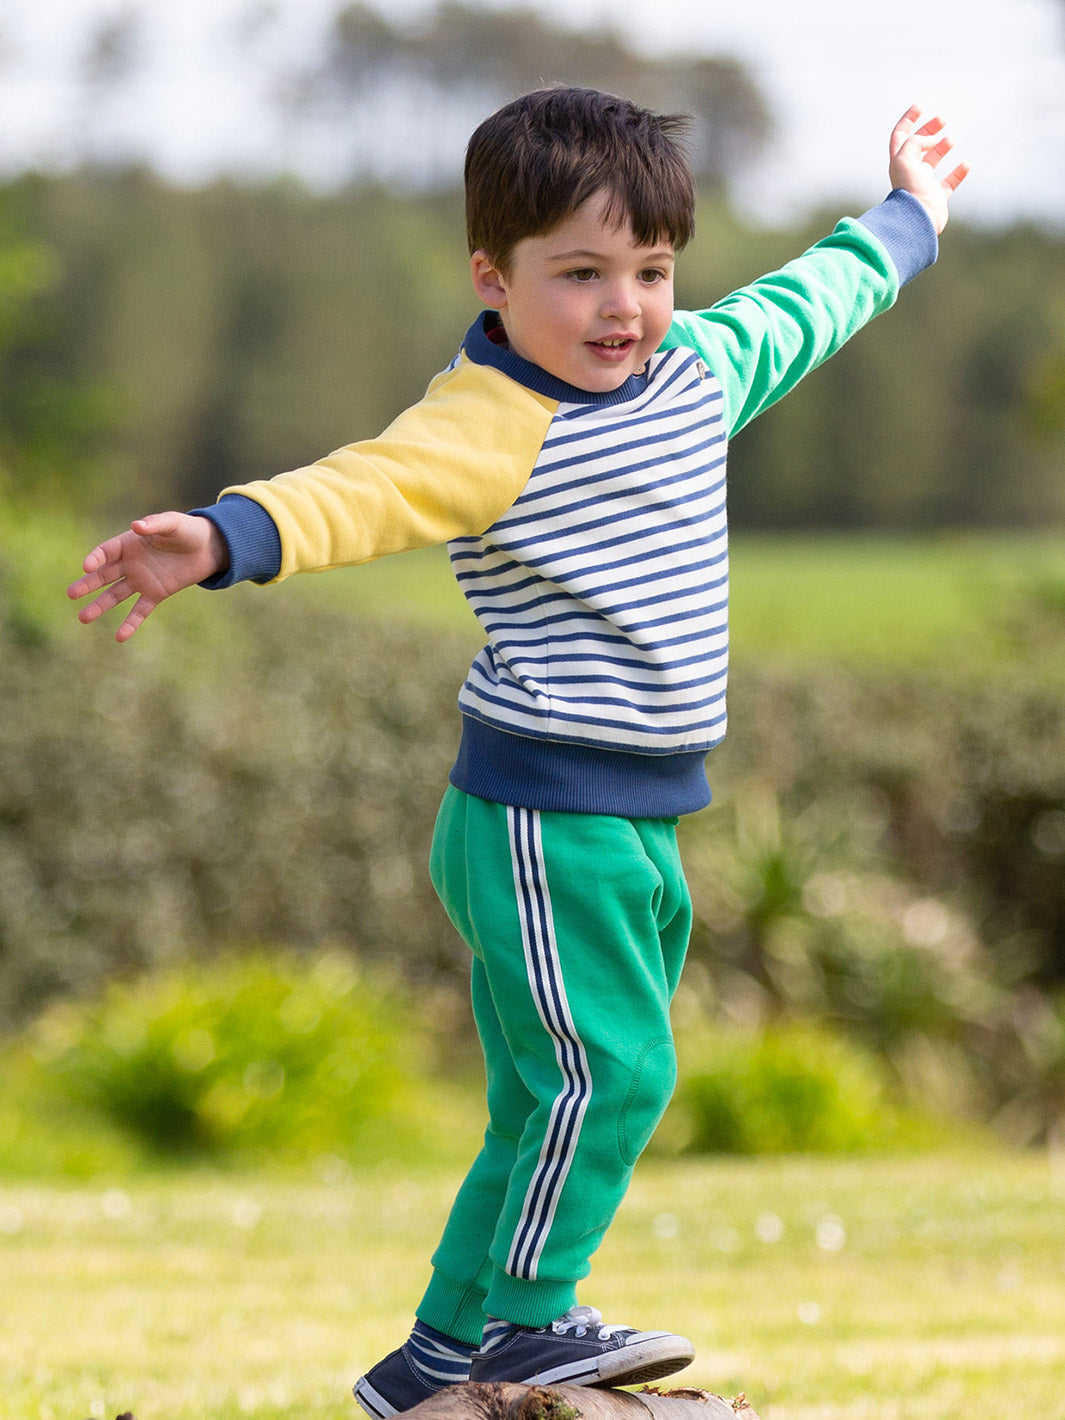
(160, 555)
(915, 154)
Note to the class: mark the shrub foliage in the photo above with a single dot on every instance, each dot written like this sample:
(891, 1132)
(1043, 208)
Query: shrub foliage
(786, 1090)
(238, 1058)
(886, 853)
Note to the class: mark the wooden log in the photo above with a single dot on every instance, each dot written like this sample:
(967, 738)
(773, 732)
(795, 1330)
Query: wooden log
(504, 1400)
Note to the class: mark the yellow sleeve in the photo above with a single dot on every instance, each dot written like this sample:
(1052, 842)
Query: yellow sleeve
(448, 467)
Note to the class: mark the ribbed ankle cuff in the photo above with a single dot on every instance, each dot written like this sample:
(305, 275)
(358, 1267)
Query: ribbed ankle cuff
(525, 1303)
(455, 1310)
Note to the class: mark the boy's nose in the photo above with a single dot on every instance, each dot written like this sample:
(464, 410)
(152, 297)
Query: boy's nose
(622, 301)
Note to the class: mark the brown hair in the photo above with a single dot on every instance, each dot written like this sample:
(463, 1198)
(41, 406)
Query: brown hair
(537, 159)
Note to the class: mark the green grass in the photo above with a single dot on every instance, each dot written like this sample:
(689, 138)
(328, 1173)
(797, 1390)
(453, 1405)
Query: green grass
(930, 1289)
(980, 600)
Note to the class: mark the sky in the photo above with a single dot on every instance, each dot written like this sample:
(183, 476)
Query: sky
(836, 75)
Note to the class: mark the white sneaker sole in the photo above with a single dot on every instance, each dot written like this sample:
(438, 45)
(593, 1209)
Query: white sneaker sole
(372, 1401)
(647, 1360)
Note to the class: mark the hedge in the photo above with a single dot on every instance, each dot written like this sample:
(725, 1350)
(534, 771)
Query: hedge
(887, 848)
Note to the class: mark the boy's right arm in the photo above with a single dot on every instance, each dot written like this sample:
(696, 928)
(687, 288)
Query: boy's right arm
(445, 468)
(161, 554)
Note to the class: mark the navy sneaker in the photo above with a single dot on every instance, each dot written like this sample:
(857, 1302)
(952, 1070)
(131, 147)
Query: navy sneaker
(578, 1349)
(426, 1363)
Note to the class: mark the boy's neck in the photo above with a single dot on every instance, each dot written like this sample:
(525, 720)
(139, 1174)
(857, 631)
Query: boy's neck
(486, 343)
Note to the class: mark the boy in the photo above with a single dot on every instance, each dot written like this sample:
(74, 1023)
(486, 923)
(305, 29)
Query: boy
(573, 459)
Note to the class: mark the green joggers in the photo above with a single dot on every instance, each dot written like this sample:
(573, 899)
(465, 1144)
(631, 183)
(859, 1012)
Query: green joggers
(578, 924)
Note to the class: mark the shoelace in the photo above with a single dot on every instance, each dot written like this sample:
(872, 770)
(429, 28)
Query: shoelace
(580, 1320)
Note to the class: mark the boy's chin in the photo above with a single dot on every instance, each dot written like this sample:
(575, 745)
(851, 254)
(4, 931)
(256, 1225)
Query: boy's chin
(602, 381)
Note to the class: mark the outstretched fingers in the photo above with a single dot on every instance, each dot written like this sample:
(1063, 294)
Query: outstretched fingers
(929, 138)
(955, 178)
(103, 565)
(141, 610)
(114, 595)
(154, 558)
(906, 127)
(935, 155)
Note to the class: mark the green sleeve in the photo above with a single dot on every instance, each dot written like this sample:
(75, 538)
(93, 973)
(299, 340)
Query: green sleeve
(760, 341)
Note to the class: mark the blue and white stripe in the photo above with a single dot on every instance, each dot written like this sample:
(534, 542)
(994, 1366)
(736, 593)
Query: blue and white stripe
(603, 590)
(494, 1334)
(544, 971)
(439, 1359)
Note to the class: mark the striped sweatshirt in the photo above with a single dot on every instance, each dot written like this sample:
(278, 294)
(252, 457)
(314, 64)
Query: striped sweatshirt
(588, 531)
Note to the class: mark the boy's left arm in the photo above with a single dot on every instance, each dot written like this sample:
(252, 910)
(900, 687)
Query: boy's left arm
(761, 340)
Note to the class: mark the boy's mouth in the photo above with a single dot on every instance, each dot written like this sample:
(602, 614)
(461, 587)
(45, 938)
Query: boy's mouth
(613, 346)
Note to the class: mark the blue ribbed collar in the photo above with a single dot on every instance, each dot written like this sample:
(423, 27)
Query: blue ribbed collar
(483, 351)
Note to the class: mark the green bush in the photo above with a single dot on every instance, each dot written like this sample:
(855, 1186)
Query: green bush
(789, 1089)
(885, 852)
(256, 1058)
(181, 796)
(957, 782)
(799, 918)
(45, 1134)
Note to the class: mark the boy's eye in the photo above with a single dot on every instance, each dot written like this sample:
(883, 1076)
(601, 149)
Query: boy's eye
(583, 273)
(651, 275)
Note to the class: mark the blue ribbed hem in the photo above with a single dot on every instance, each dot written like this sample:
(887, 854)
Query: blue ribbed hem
(905, 228)
(252, 538)
(581, 779)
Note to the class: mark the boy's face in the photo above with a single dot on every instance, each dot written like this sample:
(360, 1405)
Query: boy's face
(583, 302)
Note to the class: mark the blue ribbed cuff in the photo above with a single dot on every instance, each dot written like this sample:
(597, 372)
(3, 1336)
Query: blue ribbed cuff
(905, 228)
(252, 538)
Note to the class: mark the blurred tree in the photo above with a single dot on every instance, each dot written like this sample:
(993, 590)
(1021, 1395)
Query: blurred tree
(25, 271)
(409, 94)
(184, 340)
(110, 59)
(51, 413)
(112, 50)
(928, 419)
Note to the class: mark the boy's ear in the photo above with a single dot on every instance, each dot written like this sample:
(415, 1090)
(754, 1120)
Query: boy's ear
(488, 281)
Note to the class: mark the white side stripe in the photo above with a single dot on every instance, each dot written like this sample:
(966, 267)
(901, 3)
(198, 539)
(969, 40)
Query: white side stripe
(549, 992)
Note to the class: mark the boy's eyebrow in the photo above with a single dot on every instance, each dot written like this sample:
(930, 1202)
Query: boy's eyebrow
(660, 254)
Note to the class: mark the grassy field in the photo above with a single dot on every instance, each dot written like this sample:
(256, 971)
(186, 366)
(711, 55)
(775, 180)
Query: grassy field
(929, 1289)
